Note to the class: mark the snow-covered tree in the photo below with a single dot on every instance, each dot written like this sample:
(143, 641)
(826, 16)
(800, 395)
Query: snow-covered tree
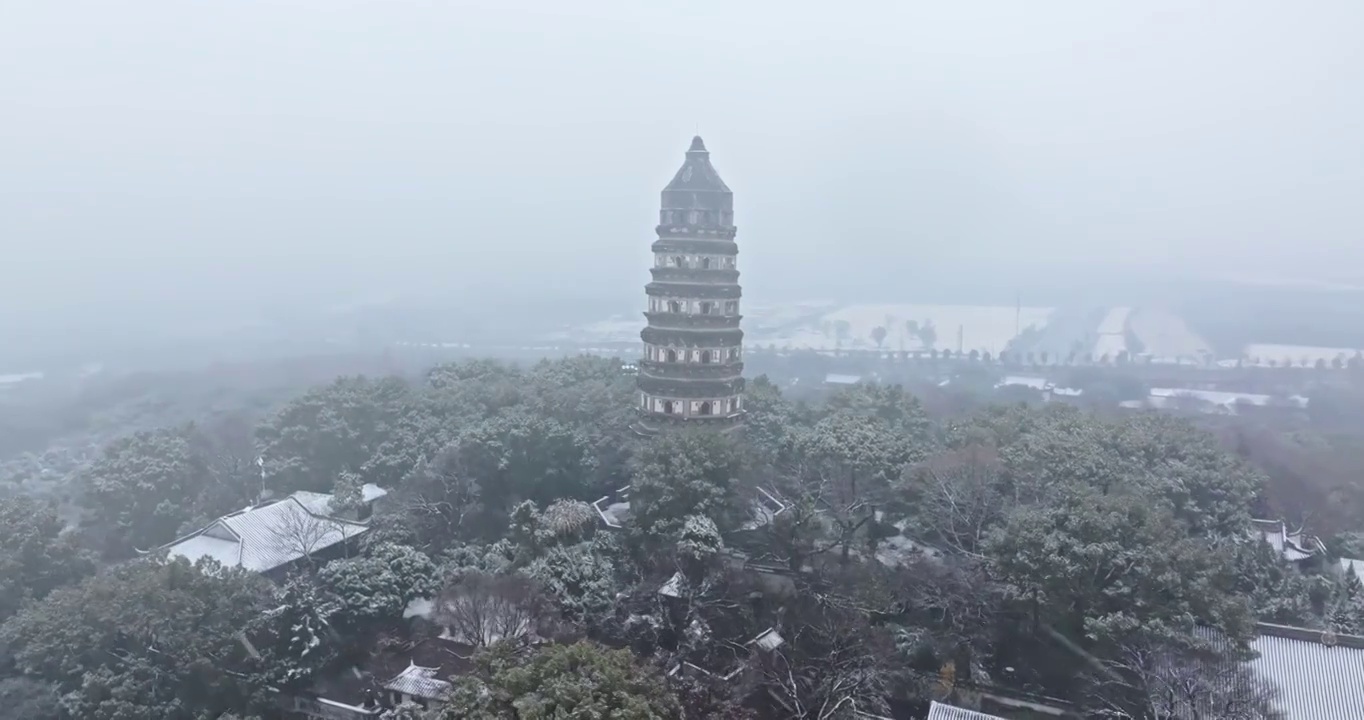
(580, 580)
(382, 584)
(296, 638)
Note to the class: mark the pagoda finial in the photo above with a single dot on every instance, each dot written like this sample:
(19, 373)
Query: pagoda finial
(697, 145)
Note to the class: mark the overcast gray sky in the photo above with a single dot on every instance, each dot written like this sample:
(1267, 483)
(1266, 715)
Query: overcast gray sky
(167, 154)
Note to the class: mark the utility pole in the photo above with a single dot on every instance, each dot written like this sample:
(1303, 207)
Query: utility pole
(1018, 313)
(260, 462)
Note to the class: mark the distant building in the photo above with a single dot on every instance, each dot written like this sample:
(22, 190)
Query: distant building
(737, 658)
(692, 369)
(614, 509)
(1295, 546)
(1215, 401)
(407, 672)
(272, 537)
(1048, 389)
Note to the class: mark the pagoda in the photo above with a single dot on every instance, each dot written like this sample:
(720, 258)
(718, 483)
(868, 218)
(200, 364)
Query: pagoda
(692, 370)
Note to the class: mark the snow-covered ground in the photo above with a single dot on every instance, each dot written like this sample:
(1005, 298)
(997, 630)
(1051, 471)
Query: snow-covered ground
(1112, 339)
(1166, 337)
(985, 328)
(820, 325)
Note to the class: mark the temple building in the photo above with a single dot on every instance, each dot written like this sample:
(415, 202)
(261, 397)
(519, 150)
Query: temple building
(692, 369)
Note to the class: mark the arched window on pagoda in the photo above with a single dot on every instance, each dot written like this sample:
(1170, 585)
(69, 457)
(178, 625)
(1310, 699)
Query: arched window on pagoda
(705, 357)
(674, 306)
(668, 407)
(679, 261)
(705, 408)
(706, 307)
(705, 263)
(672, 356)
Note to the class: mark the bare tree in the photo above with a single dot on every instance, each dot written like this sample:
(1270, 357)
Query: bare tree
(958, 498)
(436, 501)
(832, 664)
(480, 609)
(299, 532)
(1156, 680)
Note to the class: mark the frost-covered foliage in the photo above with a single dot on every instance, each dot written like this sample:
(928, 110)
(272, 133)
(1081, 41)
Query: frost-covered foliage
(699, 545)
(142, 640)
(582, 680)
(497, 558)
(685, 474)
(568, 520)
(564, 522)
(36, 557)
(1115, 534)
(296, 639)
(699, 539)
(580, 580)
(1277, 591)
(382, 584)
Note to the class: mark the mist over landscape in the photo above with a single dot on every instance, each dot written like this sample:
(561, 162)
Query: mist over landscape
(185, 170)
(516, 360)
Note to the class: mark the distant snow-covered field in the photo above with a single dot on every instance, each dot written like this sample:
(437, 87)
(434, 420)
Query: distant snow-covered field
(984, 328)
(1166, 337)
(1112, 340)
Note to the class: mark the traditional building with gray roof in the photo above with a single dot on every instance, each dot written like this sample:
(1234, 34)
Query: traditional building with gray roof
(1313, 674)
(940, 711)
(271, 537)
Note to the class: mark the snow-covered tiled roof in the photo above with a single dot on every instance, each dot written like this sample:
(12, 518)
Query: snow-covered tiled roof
(838, 379)
(1318, 675)
(268, 536)
(769, 640)
(939, 711)
(765, 508)
(673, 588)
(614, 510)
(369, 492)
(419, 682)
(1294, 546)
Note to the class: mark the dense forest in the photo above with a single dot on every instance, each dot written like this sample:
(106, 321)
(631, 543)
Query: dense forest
(1051, 550)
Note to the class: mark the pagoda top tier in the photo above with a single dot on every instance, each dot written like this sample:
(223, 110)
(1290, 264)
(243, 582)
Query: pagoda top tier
(697, 184)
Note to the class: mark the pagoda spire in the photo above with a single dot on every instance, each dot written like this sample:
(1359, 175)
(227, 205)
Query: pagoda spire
(692, 369)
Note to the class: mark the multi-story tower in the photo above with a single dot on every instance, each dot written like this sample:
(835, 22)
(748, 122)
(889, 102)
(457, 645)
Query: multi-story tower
(692, 370)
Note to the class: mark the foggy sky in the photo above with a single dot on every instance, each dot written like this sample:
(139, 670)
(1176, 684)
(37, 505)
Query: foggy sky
(190, 159)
